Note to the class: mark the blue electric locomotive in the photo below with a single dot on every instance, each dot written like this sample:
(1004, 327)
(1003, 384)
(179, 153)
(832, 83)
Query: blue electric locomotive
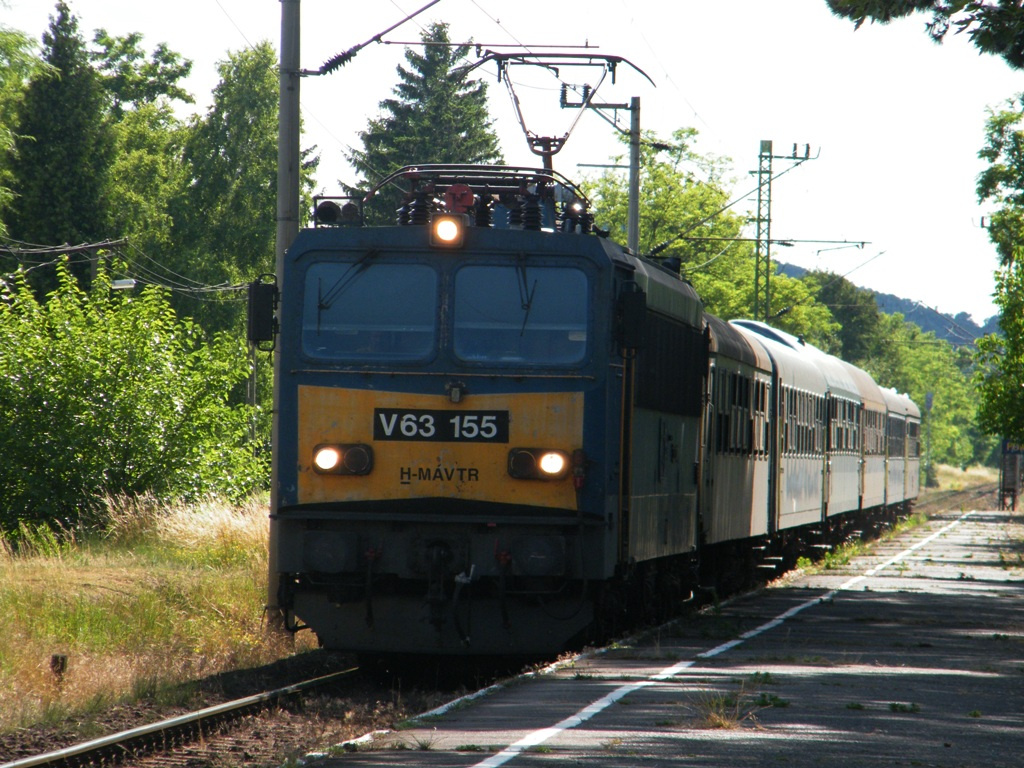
(470, 446)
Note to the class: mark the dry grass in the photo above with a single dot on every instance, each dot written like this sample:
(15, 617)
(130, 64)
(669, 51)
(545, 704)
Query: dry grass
(956, 479)
(725, 710)
(167, 596)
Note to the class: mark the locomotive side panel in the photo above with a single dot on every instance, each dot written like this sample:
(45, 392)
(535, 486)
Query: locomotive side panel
(662, 514)
(662, 435)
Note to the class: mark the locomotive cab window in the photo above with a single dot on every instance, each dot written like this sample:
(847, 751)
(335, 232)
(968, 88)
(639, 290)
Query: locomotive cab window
(520, 314)
(364, 311)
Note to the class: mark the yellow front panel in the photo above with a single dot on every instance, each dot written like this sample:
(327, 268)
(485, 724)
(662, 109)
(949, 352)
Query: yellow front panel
(411, 469)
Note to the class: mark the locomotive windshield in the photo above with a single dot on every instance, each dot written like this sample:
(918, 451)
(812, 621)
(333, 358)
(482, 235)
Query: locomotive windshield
(522, 314)
(372, 311)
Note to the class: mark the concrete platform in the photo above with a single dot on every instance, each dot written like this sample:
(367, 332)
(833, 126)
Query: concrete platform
(912, 655)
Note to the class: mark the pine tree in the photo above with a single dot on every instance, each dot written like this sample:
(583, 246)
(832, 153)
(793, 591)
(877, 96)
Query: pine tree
(438, 116)
(64, 145)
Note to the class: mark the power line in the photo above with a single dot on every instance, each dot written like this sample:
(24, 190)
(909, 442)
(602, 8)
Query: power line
(29, 253)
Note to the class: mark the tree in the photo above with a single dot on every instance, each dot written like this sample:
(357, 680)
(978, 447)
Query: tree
(106, 393)
(854, 309)
(1002, 183)
(438, 117)
(993, 27)
(1000, 358)
(1000, 373)
(63, 148)
(682, 197)
(131, 80)
(146, 175)
(17, 64)
(224, 223)
(912, 361)
(679, 189)
(131, 108)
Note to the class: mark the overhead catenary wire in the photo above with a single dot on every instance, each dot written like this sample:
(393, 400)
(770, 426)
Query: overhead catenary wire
(735, 201)
(162, 276)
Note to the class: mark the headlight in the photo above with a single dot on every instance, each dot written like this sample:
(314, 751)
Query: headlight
(448, 230)
(538, 464)
(552, 463)
(343, 459)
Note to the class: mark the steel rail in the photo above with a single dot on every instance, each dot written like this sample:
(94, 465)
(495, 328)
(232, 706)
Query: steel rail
(74, 755)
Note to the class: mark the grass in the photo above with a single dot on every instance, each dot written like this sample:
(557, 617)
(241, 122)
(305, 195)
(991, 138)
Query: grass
(165, 596)
(957, 479)
(904, 708)
(726, 710)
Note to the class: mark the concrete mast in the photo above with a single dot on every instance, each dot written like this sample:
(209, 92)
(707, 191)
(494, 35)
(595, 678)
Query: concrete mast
(287, 231)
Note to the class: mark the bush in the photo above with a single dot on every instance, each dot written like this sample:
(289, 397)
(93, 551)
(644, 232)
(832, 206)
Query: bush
(110, 394)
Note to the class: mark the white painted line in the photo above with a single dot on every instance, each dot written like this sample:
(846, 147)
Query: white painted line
(544, 734)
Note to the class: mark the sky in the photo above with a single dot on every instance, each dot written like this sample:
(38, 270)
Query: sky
(893, 121)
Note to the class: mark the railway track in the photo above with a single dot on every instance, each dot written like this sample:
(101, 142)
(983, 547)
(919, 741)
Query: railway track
(174, 732)
(935, 501)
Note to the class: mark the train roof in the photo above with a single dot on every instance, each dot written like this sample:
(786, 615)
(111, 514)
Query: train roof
(836, 372)
(666, 292)
(899, 403)
(775, 334)
(792, 368)
(870, 392)
(730, 342)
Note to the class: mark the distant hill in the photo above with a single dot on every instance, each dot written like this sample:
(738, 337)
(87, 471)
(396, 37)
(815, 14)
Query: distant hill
(956, 329)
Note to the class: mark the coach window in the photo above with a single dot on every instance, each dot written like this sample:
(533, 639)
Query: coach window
(760, 417)
(367, 310)
(822, 423)
(896, 437)
(791, 421)
(520, 314)
(913, 439)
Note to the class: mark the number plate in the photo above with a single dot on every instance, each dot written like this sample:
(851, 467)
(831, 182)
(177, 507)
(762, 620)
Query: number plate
(440, 426)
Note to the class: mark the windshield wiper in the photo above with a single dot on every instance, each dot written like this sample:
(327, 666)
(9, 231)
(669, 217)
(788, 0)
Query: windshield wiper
(325, 300)
(526, 293)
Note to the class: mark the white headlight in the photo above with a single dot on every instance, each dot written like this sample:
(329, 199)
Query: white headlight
(552, 463)
(327, 458)
(446, 230)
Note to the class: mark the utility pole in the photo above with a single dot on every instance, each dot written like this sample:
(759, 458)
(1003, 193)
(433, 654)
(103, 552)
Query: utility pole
(762, 250)
(633, 220)
(288, 131)
(633, 225)
(287, 231)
